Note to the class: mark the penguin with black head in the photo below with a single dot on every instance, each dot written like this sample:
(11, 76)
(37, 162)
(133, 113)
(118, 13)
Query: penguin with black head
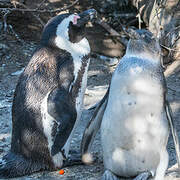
(48, 99)
(134, 116)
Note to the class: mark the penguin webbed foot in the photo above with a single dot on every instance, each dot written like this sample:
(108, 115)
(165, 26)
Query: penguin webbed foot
(143, 176)
(108, 175)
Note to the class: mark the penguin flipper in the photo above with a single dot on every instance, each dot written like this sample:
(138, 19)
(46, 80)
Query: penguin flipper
(173, 130)
(61, 110)
(92, 129)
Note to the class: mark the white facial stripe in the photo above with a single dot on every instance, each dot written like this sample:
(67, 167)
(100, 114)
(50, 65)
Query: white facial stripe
(77, 50)
(62, 29)
(81, 48)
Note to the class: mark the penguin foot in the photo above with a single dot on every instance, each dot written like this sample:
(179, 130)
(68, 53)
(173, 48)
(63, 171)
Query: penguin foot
(143, 176)
(108, 175)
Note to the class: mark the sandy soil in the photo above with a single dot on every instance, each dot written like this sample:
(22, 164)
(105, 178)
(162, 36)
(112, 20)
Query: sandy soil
(12, 62)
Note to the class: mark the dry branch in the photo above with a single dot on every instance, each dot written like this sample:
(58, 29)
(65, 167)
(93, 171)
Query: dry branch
(38, 10)
(112, 32)
(40, 5)
(173, 68)
(126, 15)
(33, 14)
(162, 19)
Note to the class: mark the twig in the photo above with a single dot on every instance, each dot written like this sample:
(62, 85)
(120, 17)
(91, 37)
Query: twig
(139, 14)
(170, 49)
(112, 35)
(5, 20)
(126, 15)
(15, 34)
(40, 11)
(162, 11)
(155, 10)
(131, 22)
(112, 32)
(41, 4)
(9, 28)
(170, 32)
(139, 20)
(172, 68)
(174, 90)
(38, 18)
(107, 28)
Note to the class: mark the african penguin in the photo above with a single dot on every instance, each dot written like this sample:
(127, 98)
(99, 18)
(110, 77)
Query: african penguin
(134, 116)
(48, 99)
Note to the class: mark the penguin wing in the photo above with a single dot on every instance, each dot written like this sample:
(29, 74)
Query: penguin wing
(63, 117)
(173, 130)
(94, 125)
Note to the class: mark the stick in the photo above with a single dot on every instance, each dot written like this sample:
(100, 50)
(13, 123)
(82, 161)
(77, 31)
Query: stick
(112, 32)
(172, 68)
(38, 18)
(41, 4)
(108, 28)
(40, 11)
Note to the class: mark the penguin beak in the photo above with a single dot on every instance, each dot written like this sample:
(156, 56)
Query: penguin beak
(86, 16)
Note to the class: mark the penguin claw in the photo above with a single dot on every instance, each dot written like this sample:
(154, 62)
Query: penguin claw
(108, 175)
(143, 176)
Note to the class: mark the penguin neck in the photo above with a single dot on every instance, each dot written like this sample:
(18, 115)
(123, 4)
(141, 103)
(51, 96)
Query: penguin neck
(77, 50)
(153, 58)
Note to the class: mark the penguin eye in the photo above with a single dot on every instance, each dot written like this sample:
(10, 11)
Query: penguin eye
(71, 23)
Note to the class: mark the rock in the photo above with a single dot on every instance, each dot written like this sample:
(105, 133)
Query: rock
(4, 46)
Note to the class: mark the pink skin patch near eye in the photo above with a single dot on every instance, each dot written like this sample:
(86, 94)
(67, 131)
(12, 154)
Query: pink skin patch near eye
(75, 18)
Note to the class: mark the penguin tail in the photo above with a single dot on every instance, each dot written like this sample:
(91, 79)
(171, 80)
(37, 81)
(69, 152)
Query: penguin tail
(15, 165)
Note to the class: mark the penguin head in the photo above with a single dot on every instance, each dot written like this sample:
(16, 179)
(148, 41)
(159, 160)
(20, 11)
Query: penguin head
(143, 43)
(66, 29)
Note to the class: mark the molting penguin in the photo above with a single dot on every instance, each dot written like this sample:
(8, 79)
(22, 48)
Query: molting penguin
(134, 115)
(48, 98)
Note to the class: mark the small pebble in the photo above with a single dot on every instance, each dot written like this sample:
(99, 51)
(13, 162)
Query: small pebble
(61, 172)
